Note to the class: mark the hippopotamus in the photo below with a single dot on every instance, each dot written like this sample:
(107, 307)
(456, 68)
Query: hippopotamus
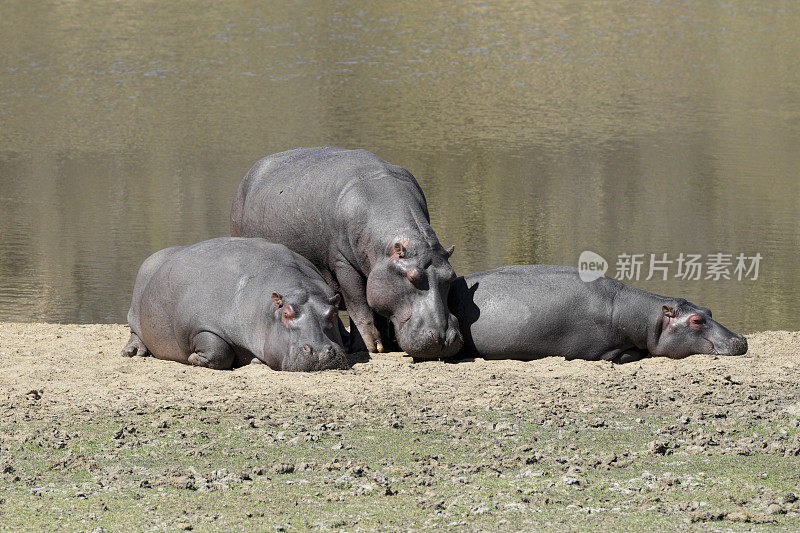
(531, 311)
(364, 224)
(227, 302)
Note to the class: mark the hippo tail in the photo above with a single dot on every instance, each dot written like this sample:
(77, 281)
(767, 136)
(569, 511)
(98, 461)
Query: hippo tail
(143, 277)
(257, 172)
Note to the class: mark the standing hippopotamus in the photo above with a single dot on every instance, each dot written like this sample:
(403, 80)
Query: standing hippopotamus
(530, 311)
(227, 302)
(364, 224)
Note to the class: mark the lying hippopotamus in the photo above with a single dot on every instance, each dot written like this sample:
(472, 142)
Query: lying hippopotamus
(364, 224)
(531, 311)
(228, 302)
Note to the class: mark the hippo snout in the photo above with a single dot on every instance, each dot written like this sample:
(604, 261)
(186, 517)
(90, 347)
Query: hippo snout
(332, 357)
(738, 345)
(306, 358)
(431, 343)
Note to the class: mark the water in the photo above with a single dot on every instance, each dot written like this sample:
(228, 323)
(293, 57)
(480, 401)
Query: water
(537, 132)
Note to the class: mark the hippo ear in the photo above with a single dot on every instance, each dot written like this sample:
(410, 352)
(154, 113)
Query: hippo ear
(277, 300)
(399, 250)
(669, 311)
(335, 299)
(449, 252)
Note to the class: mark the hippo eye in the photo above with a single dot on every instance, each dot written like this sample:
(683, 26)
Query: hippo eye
(696, 321)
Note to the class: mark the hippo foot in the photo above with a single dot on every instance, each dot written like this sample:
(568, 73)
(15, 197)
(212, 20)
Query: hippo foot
(211, 351)
(256, 361)
(199, 359)
(134, 347)
(630, 356)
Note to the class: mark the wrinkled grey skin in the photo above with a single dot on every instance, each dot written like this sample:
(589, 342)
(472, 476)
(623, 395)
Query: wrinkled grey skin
(227, 302)
(531, 311)
(364, 224)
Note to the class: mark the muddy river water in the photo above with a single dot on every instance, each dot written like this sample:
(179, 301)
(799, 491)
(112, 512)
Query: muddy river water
(662, 136)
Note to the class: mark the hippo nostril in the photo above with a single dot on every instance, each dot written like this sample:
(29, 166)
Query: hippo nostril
(740, 346)
(450, 336)
(439, 338)
(306, 348)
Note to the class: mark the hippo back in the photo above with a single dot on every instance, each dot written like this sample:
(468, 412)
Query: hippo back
(318, 201)
(531, 311)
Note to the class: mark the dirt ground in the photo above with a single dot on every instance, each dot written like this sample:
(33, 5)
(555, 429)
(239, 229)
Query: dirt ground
(90, 440)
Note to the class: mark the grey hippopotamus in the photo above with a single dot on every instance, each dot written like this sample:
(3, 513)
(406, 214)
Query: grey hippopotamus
(228, 302)
(531, 311)
(364, 224)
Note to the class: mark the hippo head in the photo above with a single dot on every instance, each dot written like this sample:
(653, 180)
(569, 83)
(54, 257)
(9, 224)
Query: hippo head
(687, 329)
(409, 285)
(304, 334)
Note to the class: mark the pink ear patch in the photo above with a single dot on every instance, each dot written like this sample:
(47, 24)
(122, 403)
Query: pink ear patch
(277, 299)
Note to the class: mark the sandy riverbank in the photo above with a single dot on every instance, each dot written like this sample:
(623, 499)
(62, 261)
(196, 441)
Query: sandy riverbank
(474, 443)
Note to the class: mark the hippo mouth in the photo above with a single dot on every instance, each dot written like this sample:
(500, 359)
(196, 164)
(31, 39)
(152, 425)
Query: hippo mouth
(305, 359)
(738, 346)
(429, 345)
(713, 347)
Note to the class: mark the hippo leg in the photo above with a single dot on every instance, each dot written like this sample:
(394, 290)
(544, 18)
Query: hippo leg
(211, 351)
(344, 333)
(355, 300)
(355, 343)
(353, 340)
(387, 333)
(135, 346)
(630, 355)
